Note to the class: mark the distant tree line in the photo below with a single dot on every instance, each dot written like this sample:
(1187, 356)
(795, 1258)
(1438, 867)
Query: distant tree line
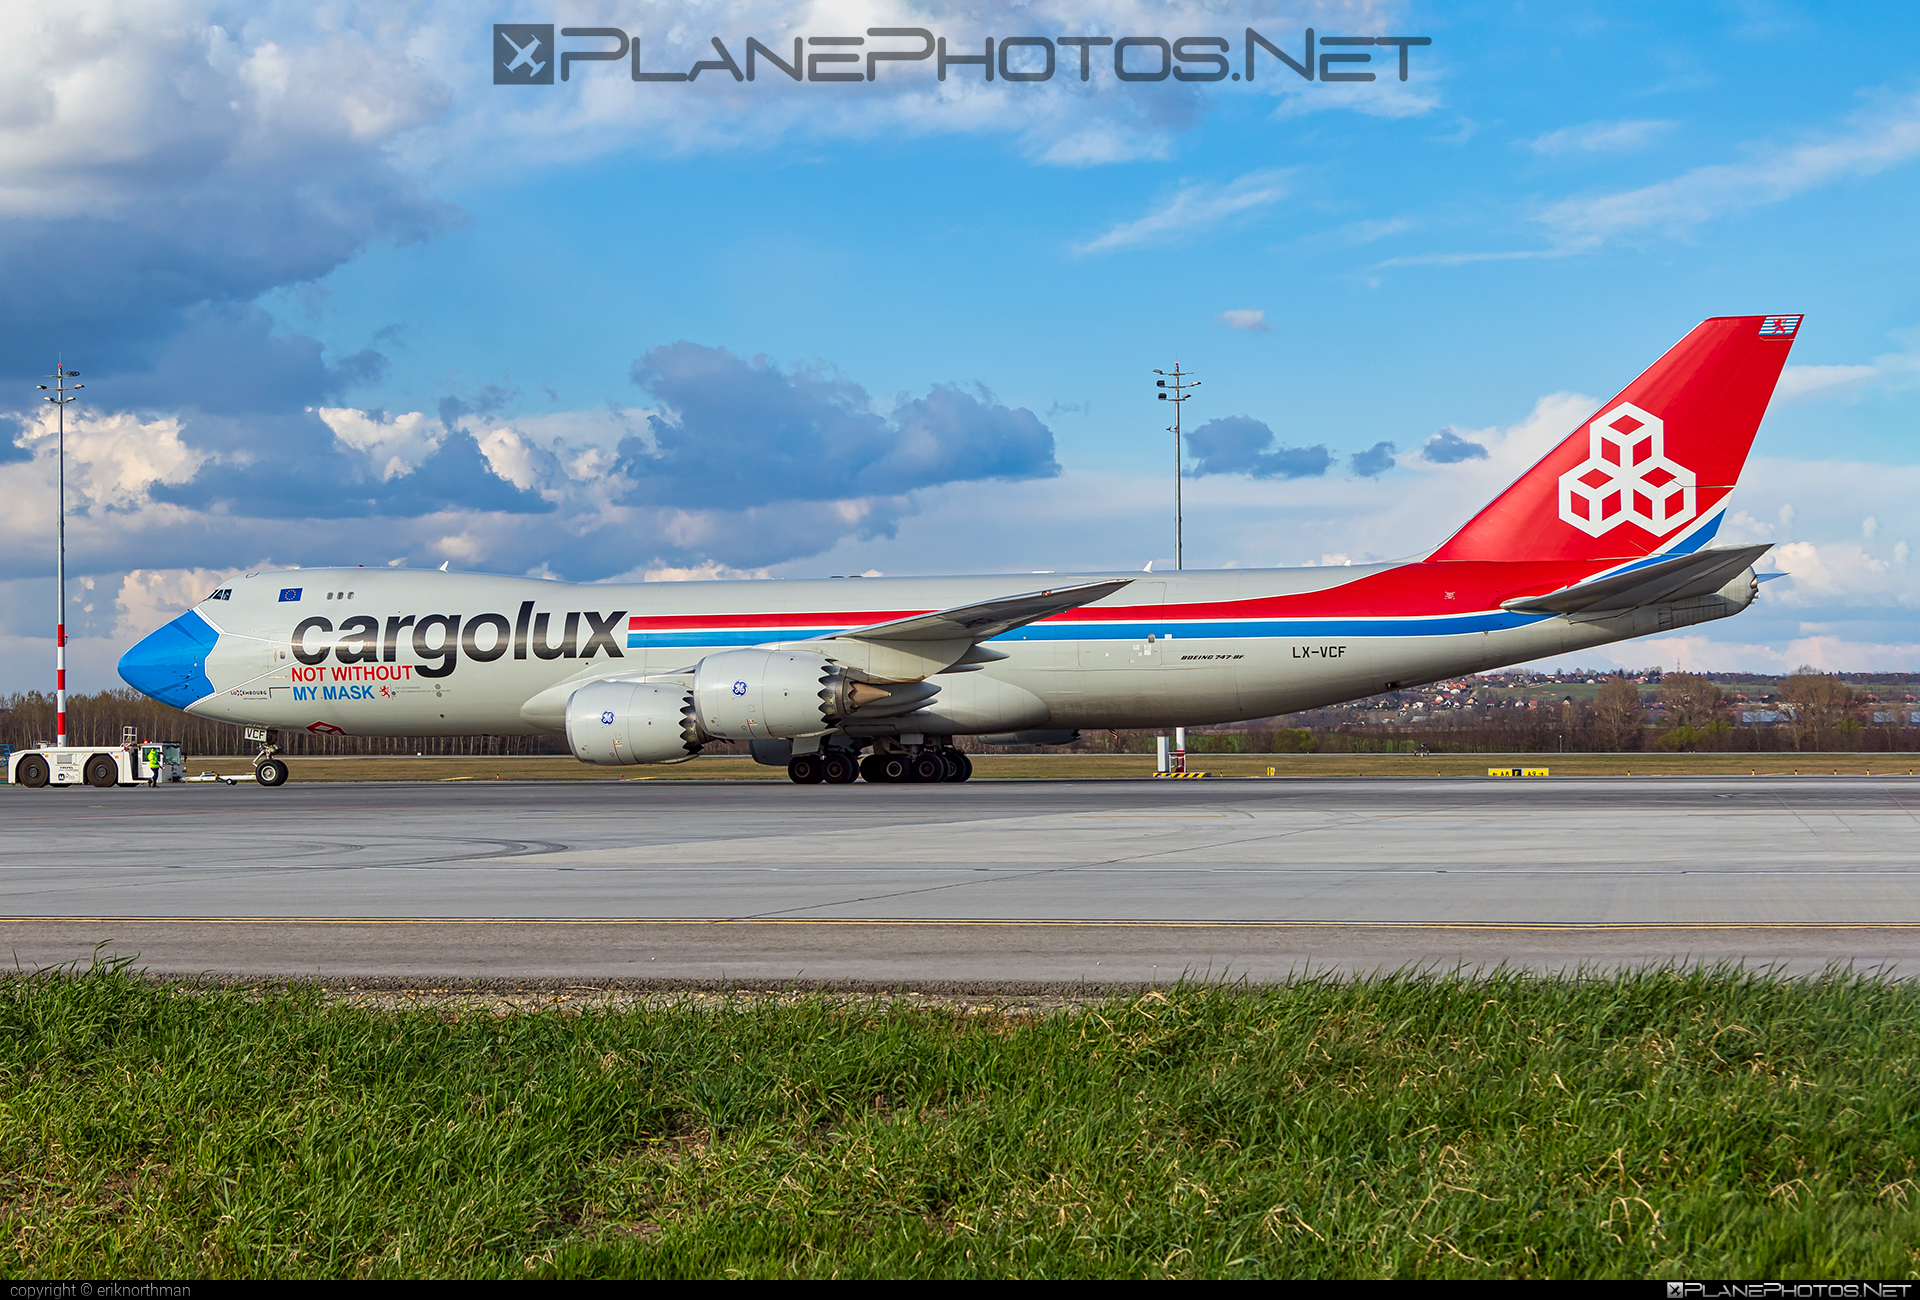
(1688, 712)
(1685, 713)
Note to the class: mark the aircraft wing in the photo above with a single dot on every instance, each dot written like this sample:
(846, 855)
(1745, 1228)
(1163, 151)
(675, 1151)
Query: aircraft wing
(1674, 578)
(989, 618)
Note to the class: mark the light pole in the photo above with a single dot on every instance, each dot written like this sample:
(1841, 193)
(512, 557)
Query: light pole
(1173, 388)
(1176, 392)
(59, 398)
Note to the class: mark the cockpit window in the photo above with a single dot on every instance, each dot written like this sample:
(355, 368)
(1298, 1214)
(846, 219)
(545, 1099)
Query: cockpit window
(225, 593)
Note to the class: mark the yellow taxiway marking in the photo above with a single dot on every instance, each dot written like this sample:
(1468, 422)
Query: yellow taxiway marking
(1539, 926)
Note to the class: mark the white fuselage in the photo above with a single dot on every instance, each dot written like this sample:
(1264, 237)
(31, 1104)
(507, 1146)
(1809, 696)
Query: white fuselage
(406, 652)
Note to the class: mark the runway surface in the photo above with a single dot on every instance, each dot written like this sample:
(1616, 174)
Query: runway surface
(1011, 883)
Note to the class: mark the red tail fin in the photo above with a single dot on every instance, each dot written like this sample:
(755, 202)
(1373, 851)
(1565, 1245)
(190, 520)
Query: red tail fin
(1651, 462)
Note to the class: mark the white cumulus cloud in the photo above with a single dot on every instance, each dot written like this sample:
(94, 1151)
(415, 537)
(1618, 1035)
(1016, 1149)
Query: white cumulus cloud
(395, 445)
(149, 598)
(112, 460)
(125, 97)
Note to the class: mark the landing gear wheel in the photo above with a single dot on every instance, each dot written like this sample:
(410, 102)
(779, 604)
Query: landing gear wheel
(839, 769)
(893, 768)
(927, 765)
(870, 769)
(959, 766)
(102, 772)
(31, 772)
(271, 771)
(806, 769)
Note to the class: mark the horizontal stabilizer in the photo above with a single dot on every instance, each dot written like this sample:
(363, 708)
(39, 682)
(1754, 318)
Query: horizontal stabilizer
(987, 619)
(1675, 578)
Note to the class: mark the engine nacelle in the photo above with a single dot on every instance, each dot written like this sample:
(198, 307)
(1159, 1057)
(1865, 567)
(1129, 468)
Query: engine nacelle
(616, 724)
(766, 694)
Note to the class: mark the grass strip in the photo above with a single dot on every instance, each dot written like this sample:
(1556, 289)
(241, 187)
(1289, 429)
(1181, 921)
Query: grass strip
(1702, 1122)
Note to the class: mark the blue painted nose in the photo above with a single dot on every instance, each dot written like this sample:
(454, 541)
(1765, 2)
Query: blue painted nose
(171, 664)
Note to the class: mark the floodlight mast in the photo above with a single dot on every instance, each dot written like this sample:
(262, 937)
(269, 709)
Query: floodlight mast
(60, 390)
(1176, 392)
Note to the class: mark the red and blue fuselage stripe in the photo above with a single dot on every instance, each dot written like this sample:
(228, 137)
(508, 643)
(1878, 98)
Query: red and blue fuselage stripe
(667, 633)
(1418, 599)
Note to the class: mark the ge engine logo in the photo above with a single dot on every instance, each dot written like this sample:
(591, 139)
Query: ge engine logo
(606, 718)
(739, 688)
(1627, 478)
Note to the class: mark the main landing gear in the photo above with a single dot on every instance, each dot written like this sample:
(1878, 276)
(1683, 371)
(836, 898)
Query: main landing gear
(895, 767)
(834, 767)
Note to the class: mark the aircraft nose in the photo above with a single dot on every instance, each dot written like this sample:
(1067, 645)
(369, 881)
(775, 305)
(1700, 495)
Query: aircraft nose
(171, 664)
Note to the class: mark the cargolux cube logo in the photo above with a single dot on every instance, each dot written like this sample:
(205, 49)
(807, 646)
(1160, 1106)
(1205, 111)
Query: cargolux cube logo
(523, 54)
(1627, 478)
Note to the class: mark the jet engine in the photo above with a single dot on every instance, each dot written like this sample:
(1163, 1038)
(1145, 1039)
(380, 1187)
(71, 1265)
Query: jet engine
(616, 724)
(778, 694)
(765, 694)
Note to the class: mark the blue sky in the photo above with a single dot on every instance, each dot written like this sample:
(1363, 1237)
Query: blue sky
(340, 299)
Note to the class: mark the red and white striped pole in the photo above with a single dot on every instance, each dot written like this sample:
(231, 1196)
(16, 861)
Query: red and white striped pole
(61, 388)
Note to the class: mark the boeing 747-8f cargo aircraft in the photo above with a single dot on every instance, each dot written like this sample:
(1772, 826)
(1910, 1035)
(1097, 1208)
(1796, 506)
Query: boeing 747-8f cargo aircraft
(1605, 539)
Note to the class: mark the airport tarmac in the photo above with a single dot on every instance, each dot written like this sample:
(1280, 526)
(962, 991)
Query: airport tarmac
(1014, 884)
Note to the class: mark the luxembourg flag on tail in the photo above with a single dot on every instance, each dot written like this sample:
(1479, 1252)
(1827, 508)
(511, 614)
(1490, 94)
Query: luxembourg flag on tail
(1643, 472)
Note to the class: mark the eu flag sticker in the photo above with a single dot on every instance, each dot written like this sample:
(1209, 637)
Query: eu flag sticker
(291, 593)
(523, 54)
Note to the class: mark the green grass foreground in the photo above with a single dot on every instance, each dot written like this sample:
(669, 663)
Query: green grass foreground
(1703, 1123)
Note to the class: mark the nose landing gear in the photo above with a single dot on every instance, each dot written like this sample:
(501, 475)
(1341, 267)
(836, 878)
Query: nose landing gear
(267, 769)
